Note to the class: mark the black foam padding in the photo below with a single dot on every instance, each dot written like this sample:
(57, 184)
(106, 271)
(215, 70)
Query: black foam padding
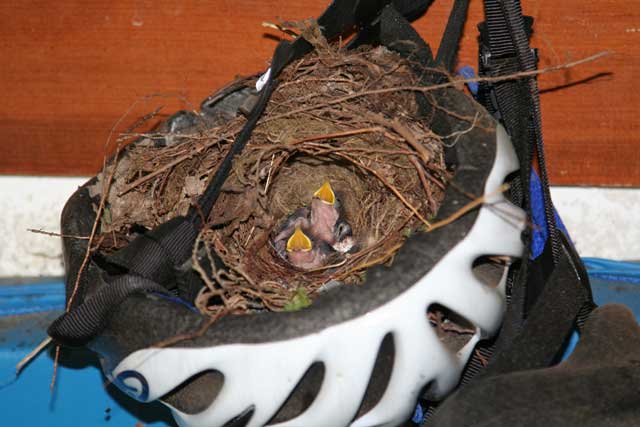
(476, 153)
(397, 34)
(412, 9)
(598, 385)
(78, 216)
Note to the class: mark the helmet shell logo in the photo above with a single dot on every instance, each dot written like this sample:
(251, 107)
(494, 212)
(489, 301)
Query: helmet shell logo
(134, 384)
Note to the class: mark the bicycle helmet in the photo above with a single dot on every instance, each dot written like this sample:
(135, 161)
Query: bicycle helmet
(358, 356)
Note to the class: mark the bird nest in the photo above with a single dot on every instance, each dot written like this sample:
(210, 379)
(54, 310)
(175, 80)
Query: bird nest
(335, 117)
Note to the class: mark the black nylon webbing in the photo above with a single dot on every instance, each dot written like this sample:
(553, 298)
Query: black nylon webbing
(448, 50)
(547, 296)
(80, 325)
(566, 299)
(199, 213)
(155, 254)
(510, 102)
(507, 38)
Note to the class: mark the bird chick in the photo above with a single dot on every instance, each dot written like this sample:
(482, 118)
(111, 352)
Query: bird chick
(302, 254)
(343, 235)
(326, 220)
(300, 218)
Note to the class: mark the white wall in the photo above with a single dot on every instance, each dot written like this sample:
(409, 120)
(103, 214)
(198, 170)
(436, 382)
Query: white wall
(32, 202)
(603, 222)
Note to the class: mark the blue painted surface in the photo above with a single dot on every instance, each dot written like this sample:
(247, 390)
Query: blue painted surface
(80, 397)
(34, 298)
(618, 271)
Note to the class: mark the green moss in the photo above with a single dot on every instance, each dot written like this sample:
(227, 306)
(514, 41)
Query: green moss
(299, 300)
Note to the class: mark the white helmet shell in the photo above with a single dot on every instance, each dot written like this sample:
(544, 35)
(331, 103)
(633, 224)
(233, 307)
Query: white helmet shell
(259, 377)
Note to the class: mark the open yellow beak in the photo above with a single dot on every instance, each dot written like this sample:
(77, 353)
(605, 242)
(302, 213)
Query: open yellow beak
(326, 194)
(299, 241)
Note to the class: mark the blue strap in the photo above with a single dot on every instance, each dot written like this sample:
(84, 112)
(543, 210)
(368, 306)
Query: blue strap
(540, 231)
(467, 72)
(418, 415)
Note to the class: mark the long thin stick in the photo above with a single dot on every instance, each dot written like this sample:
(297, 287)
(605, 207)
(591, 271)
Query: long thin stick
(164, 168)
(466, 208)
(393, 189)
(338, 134)
(32, 354)
(452, 83)
(423, 179)
(94, 228)
(55, 368)
(49, 233)
(405, 133)
(207, 145)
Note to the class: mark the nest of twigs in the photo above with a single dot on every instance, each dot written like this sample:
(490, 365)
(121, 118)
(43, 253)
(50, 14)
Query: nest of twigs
(334, 116)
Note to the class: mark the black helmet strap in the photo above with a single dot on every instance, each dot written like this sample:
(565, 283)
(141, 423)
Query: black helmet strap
(504, 50)
(549, 295)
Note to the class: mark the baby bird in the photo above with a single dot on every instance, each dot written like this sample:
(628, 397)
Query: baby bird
(300, 218)
(326, 220)
(302, 254)
(310, 235)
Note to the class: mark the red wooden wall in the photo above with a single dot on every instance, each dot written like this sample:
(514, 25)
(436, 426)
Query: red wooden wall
(69, 69)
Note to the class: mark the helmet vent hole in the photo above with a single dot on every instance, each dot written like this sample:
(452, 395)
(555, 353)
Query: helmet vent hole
(428, 391)
(196, 393)
(241, 420)
(302, 395)
(453, 329)
(381, 374)
(490, 269)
